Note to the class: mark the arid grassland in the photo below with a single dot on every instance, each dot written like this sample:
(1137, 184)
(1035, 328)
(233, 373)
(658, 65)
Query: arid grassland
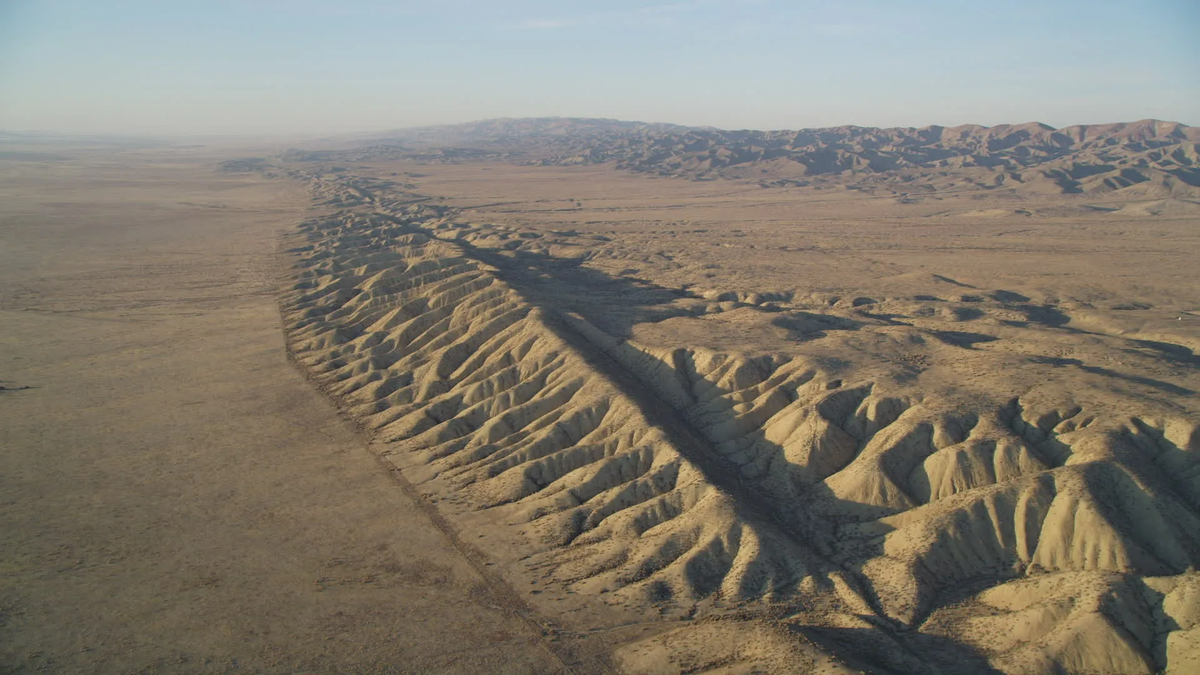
(586, 396)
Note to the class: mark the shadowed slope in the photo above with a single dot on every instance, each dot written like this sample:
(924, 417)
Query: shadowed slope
(702, 481)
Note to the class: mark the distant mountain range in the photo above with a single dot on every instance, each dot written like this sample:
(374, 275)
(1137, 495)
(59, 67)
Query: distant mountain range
(1148, 157)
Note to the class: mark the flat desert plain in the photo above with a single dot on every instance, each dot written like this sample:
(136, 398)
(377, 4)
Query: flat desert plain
(347, 412)
(175, 497)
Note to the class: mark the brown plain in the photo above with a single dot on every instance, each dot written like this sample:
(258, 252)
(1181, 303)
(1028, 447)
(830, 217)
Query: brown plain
(176, 498)
(766, 429)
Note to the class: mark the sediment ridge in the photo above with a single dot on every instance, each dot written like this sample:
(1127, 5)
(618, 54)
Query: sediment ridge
(885, 528)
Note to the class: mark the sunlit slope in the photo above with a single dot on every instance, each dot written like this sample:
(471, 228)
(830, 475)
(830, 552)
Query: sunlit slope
(682, 475)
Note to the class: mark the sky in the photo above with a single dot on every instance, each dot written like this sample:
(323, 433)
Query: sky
(277, 67)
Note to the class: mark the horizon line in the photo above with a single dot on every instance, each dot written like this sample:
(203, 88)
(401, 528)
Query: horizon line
(319, 135)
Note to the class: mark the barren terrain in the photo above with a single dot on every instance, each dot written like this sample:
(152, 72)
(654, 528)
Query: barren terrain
(770, 420)
(174, 497)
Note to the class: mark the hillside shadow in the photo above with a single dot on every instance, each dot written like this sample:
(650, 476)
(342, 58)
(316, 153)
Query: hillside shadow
(965, 340)
(612, 304)
(805, 326)
(1046, 315)
(1191, 176)
(1105, 372)
(864, 649)
(1172, 352)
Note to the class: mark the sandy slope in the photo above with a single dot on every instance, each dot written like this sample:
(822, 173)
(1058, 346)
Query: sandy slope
(174, 497)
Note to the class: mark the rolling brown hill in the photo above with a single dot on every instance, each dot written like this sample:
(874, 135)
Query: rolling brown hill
(1143, 158)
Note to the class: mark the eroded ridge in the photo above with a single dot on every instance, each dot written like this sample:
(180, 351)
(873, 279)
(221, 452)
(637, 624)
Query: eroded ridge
(431, 347)
(928, 504)
(688, 477)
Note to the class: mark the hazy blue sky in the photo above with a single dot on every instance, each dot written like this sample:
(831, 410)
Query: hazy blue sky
(229, 66)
